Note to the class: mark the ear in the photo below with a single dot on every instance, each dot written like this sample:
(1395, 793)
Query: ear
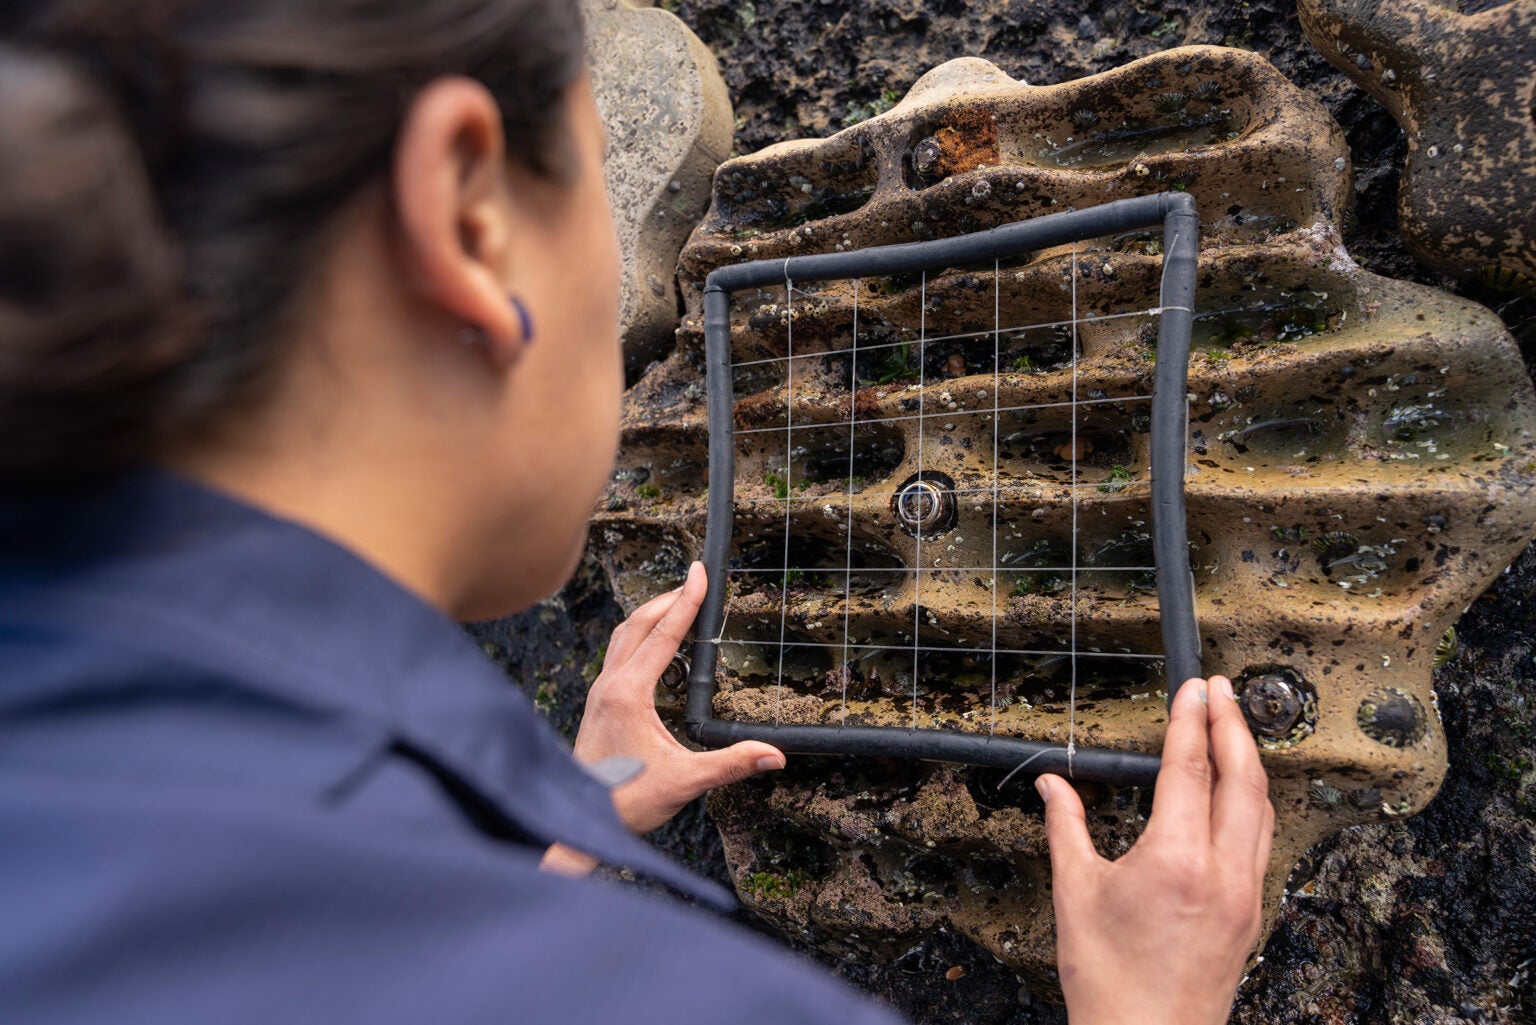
(451, 198)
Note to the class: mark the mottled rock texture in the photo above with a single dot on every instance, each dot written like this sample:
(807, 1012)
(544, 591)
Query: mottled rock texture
(1362, 459)
(668, 117)
(1425, 920)
(1463, 86)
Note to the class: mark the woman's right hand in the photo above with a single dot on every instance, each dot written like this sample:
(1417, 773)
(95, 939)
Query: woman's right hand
(1162, 934)
(620, 717)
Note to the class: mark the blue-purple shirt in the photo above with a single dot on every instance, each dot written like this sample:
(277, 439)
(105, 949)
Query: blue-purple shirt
(245, 777)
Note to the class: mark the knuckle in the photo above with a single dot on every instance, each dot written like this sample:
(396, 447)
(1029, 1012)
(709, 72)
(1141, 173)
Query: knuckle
(1164, 862)
(1186, 880)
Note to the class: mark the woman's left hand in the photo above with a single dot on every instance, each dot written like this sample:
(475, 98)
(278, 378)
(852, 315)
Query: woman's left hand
(621, 719)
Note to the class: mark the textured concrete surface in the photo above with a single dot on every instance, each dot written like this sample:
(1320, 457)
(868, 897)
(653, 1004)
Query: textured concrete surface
(1363, 453)
(669, 125)
(1462, 83)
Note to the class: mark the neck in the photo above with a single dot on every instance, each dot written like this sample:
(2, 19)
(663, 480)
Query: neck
(399, 530)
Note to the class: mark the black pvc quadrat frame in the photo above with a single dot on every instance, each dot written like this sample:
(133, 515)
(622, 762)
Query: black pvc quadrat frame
(1175, 213)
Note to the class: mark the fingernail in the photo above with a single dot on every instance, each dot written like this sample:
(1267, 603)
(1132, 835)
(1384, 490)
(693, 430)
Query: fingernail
(768, 763)
(1223, 686)
(1043, 788)
(1204, 698)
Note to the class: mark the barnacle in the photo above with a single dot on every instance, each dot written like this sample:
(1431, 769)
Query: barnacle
(1335, 545)
(1322, 795)
(1502, 279)
(1446, 650)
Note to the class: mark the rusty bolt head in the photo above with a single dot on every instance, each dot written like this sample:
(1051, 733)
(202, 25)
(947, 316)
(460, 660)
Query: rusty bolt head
(1272, 704)
(675, 677)
(925, 507)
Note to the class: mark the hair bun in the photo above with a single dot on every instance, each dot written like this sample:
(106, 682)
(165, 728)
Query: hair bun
(93, 319)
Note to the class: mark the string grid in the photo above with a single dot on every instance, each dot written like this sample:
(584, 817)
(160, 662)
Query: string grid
(785, 572)
(930, 510)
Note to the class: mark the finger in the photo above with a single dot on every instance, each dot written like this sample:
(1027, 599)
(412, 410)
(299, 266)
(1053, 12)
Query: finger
(1181, 804)
(1066, 829)
(1265, 840)
(711, 769)
(1241, 797)
(628, 635)
(658, 646)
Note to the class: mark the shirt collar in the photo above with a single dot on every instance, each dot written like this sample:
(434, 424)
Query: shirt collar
(295, 614)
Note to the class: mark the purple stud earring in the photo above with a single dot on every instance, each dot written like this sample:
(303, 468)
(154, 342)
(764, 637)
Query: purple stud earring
(525, 322)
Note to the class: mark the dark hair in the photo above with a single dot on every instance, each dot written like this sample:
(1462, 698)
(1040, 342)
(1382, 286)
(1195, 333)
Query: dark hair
(168, 173)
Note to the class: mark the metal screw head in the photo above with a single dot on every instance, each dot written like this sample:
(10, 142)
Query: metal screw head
(1272, 704)
(925, 507)
(675, 677)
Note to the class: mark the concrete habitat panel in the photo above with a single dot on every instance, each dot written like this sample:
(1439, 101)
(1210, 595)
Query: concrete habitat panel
(1362, 455)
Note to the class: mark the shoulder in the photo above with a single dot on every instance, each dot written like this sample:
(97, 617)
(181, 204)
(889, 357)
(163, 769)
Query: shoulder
(121, 910)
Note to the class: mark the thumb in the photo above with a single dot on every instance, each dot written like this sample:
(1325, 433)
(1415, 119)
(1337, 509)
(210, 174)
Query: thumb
(735, 763)
(1066, 827)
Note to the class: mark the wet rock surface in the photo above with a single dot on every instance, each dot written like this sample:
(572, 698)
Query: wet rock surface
(1432, 919)
(1461, 83)
(1425, 920)
(1362, 457)
(668, 118)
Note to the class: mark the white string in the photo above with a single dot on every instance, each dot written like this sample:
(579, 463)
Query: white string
(844, 671)
(997, 470)
(950, 415)
(848, 646)
(936, 339)
(1025, 763)
(937, 649)
(956, 569)
(1024, 485)
(917, 589)
(789, 473)
(1072, 714)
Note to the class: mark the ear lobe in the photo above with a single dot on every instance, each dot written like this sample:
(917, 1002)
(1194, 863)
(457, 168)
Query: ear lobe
(450, 198)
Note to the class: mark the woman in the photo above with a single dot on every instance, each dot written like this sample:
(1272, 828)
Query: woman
(306, 349)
